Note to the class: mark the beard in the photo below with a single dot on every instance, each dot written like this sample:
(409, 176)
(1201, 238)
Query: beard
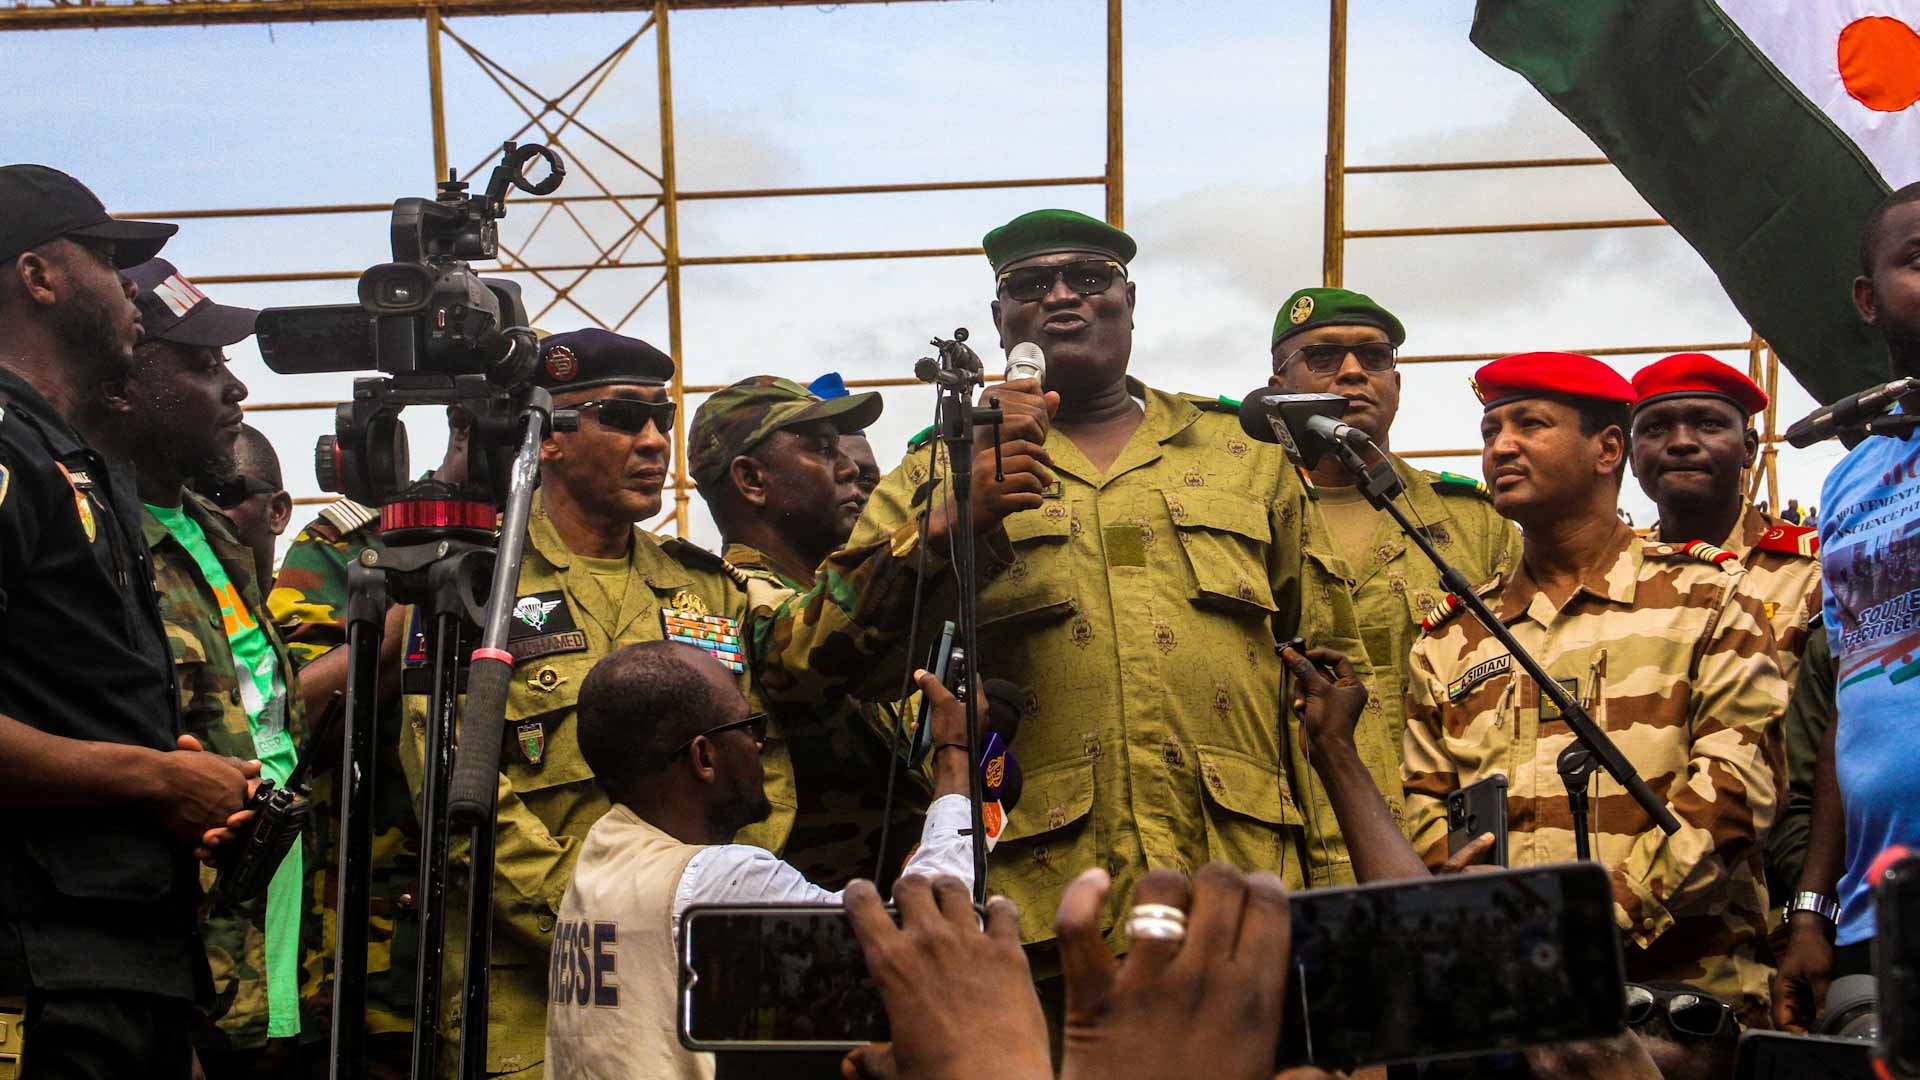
(211, 470)
(743, 808)
(88, 328)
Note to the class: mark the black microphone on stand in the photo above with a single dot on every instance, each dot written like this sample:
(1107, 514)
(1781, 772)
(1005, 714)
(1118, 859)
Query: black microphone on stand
(1305, 425)
(1852, 411)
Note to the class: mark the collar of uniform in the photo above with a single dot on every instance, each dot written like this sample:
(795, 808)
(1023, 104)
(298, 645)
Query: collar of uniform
(219, 532)
(17, 395)
(1167, 415)
(1611, 578)
(1752, 526)
(748, 557)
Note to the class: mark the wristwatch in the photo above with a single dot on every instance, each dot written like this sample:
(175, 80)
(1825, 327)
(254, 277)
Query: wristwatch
(1824, 906)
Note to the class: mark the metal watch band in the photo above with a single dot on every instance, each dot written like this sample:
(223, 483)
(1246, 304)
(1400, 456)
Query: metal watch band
(1824, 906)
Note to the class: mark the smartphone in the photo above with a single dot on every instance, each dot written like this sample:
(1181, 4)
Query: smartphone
(776, 977)
(940, 662)
(1450, 966)
(1896, 959)
(1777, 1055)
(1479, 808)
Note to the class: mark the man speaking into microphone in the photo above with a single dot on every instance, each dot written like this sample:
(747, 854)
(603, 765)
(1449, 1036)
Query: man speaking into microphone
(1139, 602)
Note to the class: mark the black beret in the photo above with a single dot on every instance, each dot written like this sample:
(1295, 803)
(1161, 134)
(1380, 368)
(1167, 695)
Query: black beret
(594, 357)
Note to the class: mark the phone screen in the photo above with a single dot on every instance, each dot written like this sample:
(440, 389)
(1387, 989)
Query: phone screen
(790, 976)
(1440, 967)
(1778, 1055)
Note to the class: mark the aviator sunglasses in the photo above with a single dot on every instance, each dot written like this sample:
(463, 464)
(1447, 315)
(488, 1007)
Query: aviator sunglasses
(1088, 277)
(631, 415)
(1326, 359)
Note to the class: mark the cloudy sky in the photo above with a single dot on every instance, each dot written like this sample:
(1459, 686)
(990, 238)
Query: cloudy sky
(1225, 130)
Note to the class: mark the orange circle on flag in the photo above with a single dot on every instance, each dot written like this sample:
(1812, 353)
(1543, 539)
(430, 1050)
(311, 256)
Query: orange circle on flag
(1880, 63)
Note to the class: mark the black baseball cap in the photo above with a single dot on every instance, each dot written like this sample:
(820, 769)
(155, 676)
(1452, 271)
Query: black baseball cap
(38, 204)
(174, 309)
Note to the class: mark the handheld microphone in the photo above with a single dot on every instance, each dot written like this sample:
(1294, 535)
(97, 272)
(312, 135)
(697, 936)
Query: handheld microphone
(1305, 425)
(1830, 420)
(1026, 361)
(1006, 707)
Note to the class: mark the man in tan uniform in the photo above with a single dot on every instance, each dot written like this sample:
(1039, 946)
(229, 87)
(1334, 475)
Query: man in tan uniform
(1670, 656)
(1140, 601)
(1333, 341)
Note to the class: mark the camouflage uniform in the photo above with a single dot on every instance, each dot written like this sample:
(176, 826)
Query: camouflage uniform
(841, 759)
(309, 604)
(211, 710)
(1140, 607)
(1674, 661)
(1783, 571)
(548, 798)
(1394, 587)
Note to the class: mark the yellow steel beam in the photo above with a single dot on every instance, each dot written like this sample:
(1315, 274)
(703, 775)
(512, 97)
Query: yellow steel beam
(1523, 227)
(88, 15)
(1468, 166)
(1116, 141)
(1333, 225)
(670, 215)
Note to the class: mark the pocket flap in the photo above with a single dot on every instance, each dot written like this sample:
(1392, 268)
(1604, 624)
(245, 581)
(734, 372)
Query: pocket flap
(1247, 786)
(1039, 524)
(1052, 798)
(1222, 511)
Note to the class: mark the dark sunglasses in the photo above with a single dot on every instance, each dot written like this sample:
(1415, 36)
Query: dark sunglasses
(231, 493)
(1326, 359)
(1088, 277)
(631, 415)
(1689, 1012)
(754, 723)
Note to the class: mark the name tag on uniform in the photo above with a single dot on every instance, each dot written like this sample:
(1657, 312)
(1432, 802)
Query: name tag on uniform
(714, 634)
(1477, 674)
(542, 625)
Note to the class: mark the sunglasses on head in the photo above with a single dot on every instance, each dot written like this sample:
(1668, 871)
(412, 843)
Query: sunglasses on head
(1326, 359)
(231, 493)
(1689, 1012)
(631, 415)
(1088, 277)
(754, 723)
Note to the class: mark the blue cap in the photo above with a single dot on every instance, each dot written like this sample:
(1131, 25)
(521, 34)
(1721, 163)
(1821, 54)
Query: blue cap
(828, 386)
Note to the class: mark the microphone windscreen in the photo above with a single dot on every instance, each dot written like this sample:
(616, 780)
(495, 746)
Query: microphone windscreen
(1011, 784)
(1025, 360)
(1256, 412)
(1006, 707)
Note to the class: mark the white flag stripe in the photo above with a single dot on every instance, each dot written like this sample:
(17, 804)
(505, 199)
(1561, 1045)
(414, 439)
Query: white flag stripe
(1802, 39)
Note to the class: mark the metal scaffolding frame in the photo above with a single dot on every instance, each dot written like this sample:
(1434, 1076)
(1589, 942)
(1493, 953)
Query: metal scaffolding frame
(1762, 365)
(555, 120)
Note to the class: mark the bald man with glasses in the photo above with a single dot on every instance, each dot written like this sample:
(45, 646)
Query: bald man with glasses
(1335, 341)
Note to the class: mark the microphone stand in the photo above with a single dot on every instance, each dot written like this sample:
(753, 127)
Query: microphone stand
(955, 375)
(1591, 749)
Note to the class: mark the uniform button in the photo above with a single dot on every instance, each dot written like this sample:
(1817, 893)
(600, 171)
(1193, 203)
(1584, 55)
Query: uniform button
(233, 695)
(404, 901)
(1646, 923)
(545, 922)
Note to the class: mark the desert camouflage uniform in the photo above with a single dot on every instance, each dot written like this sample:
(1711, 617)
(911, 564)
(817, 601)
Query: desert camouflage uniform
(1783, 571)
(1140, 607)
(1395, 586)
(841, 758)
(211, 710)
(1676, 663)
(309, 604)
(548, 798)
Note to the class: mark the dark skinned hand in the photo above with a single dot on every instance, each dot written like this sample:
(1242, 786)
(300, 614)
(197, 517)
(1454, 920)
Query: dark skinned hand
(1329, 706)
(960, 999)
(1806, 970)
(1169, 1007)
(199, 791)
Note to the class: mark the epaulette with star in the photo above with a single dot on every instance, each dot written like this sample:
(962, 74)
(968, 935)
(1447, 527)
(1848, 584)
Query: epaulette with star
(1452, 483)
(1785, 538)
(687, 553)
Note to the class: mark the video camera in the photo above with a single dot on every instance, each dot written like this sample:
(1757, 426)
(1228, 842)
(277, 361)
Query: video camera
(444, 334)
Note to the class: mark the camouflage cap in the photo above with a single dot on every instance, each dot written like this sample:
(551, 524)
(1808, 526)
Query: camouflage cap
(735, 420)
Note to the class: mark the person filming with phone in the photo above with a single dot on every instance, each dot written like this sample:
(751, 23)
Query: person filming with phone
(673, 741)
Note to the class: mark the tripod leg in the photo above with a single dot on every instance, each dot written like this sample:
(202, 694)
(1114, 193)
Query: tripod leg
(366, 618)
(444, 645)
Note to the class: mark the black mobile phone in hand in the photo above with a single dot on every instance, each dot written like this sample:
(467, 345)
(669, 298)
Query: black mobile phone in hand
(1451, 966)
(1779, 1055)
(941, 663)
(1477, 809)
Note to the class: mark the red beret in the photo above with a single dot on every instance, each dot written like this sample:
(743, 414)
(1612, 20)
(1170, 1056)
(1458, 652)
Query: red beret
(1549, 374)
(1692, 374)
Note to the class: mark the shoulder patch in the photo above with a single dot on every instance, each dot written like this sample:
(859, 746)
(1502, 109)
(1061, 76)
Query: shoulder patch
(1788, 539)
(1451, 483)
(348, 516)
(689, 554)
(5, 479)
(921, 438)
(1698, 550)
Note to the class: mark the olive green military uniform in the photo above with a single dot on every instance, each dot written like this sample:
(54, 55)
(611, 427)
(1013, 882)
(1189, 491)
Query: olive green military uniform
(1675, 662)
(309, 604)
(1395, 587)
(841, 759)
(564, 621)
(1803, 730)
(1140, 607)
(212, 710)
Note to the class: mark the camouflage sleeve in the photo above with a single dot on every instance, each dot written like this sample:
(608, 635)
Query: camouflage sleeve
(1803, 727)
(1426, 773)
(1726, 800)
(309, 597)
(847, 634)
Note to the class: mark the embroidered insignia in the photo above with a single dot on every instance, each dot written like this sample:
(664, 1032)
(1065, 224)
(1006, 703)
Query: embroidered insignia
(1054, 512)
(546, 680)
(561, 363)
(1790, 540)
(1082, 632)
(1771, 607)
(533, 611)
(1193, 478)
(532, 738)
(1237, 446)
(716, 635)
(1163, 638)
(533, 648)
(80, 503)
(1478, 674)
(688, 600)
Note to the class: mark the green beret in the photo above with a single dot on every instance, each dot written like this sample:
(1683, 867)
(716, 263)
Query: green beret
(1046, 232)
(1309, 308)
(736, 419)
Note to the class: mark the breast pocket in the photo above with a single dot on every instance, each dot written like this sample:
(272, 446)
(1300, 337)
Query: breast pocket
(1251, 815)
(1036, 585)
(1049, 840)
(1226, 538)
